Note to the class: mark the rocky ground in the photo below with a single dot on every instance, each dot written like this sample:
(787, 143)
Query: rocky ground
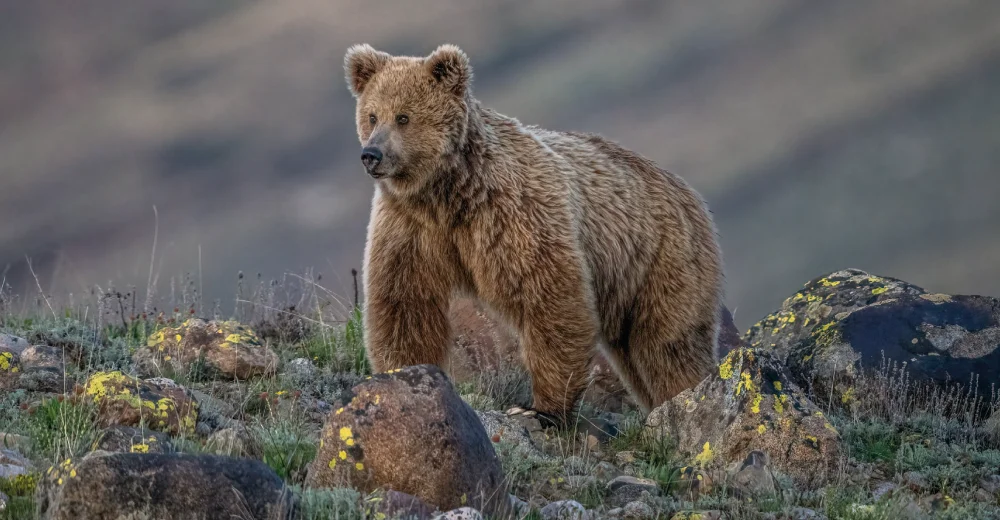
(862, 397)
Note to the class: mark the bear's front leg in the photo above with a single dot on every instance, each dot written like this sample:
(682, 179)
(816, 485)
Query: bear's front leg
(559, 330)
(407, 294)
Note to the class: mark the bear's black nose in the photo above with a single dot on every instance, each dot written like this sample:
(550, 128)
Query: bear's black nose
(370, 157)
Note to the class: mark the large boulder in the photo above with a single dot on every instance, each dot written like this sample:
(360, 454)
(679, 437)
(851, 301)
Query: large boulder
(127, 401)
(409, 431)
(224, 348)
(177, 486)
(850, 321)
(750, 404)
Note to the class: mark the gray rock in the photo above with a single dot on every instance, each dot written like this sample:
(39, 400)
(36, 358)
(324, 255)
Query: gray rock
(638, 510)
(643, 483)
(300, 368)
(511, 430)
(462, 513)
(753, 478)
(13, 343)
(395, 504)
(43, 370)
(850, 321)
(519, 507)
(565, 510)
(186, 486)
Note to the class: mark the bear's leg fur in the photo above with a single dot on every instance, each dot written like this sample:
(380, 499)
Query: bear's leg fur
(406, 302)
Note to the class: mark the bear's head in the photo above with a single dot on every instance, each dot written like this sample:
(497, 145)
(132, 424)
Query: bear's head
(412, 112)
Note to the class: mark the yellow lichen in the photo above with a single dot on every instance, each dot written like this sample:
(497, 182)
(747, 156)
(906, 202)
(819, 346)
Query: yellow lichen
(761, 429)
(705, 456)
(332, 464)
(359, 466)
(847, 396)
(6, 361)
(879, 290)
(829, 283)
(140, 448)
(726, 368)
(345, 433)
(746, 383)
(755, 406)
(777, 385)
(342, 455)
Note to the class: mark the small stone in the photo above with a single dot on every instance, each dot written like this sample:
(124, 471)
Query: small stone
(462, 513)
(565, 510)
(754, 477)
(712, 514)
(519, 507)
(300, 368)
(644, 483)
(624, 458)
(403, 505)
(802, 513)
(43, 370)
(882, 489)
(592, 442)
(638, 510)
(13, 464)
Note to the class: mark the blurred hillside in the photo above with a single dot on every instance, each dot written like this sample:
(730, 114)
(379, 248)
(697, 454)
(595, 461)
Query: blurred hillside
(823, 134)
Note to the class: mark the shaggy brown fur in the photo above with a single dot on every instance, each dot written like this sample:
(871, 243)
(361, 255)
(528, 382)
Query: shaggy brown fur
(572, 240)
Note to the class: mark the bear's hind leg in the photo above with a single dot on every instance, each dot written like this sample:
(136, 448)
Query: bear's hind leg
(671, 365)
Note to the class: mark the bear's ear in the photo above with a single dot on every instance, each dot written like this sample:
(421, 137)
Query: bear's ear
(449, 66)
(361, 63)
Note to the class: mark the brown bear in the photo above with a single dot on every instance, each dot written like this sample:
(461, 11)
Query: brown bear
(579, 245)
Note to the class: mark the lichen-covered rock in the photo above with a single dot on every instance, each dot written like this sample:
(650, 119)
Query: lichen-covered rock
(408, 430)
(225, 348)
(43, 369)
(127, 401)
(177, 486)
(750, 404)
(850, 321)
(10, 368)
(126, 439)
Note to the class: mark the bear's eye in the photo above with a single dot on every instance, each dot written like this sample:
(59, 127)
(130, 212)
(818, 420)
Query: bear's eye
(401, 119)
(372, 119)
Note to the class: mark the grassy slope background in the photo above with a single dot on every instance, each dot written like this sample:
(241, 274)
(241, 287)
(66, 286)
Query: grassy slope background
(823, 135)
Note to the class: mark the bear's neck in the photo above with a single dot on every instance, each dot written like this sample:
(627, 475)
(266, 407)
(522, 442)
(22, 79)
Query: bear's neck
(460, 188)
